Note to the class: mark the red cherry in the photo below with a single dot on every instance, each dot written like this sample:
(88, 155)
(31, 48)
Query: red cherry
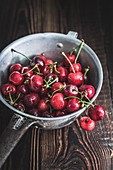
(43, 91)
(96, 113)
(57, 101)
(25, 70)
(88, 89)
(71, 58)
(61, 113)
(73, 105)
(63, 73)
(22, 90)
(16, 78)
(34, 112)
(49, 61)
(35, 83)
(70, 90)
(8, 87)
(56, 86)
(15, 67)
(76, 78)
(87, 124)
(43, 105)
(77, 67)
(31, 100)
(39, 61)
(42, 56)
(51, 76)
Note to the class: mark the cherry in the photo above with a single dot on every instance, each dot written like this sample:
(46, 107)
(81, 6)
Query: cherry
(35, 83)
(16, 78)
(8, 87)
(39, 61)
(71, 58)
(20, 106)
(34, 112)
(49, 61)
(47, 70)
(42, 56)
(43, 91)
(76, 78)
(43, 105)
(22, 90)
(51, 77)
(57, 101)
(56, 86)
(31, 100)
(96, 113)
(25, 70)
(61, 112)
(88, 90)
(47, 114)
(77, 67)
(15, 67)
(87, 124)
(63, 73)
(70, 90)
(73, 105)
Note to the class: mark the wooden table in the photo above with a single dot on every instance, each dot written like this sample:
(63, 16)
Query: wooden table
(69, 148)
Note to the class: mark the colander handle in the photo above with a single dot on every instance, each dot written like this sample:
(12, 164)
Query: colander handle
(16, 128)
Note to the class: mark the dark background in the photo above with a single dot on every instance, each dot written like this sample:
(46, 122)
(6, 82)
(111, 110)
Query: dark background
(69, 148)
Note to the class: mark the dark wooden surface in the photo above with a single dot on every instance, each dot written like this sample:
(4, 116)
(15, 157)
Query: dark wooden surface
(70, 148)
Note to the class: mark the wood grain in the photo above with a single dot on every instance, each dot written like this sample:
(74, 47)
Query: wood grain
(69, 148)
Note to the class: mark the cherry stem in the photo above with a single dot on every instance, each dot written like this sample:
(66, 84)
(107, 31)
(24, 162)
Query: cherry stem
(56, 69)
(52, 64)
(81, 45)
(36, 66)
(74, 49)
(68, 61)
(53, 81)
(43, 53)
(16, 98)
(10, 96)
(62, 87)
(21, 54)
(87, 119)
(47, 82)
(86, 70)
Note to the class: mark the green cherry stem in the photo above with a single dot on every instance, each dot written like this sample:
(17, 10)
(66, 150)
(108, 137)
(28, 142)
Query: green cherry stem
(81, 45)
(36, 66)
(87, 119)
(56, 69)
(16, 98)
(21, 54)
(62, 87)
(10, 96)
(86, 70)
(68, 61)
(74, 49)
(53, 81)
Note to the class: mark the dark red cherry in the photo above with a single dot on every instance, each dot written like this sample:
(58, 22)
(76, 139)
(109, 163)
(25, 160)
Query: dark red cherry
(43, 105)
(22, 90)
(51, 76)
(88, 90)
(42, 56)
(34, 112)
(39, 61)
(35, 83)
(70, 90)
(87, 124)
(16, 78)
(43, 91)
(73, 105)
(31, 100)
(56, 86)
(71, 58)
(61, 112)
(15, 67)
(96, 113)
(63, 73)
(77, 67)
(47, 114)
(76, 78)
(25, 70)
(20, 106)
(46, 70)
(57, 101)
(8, 87)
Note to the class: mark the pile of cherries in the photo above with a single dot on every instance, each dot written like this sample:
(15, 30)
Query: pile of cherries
(50, 89)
